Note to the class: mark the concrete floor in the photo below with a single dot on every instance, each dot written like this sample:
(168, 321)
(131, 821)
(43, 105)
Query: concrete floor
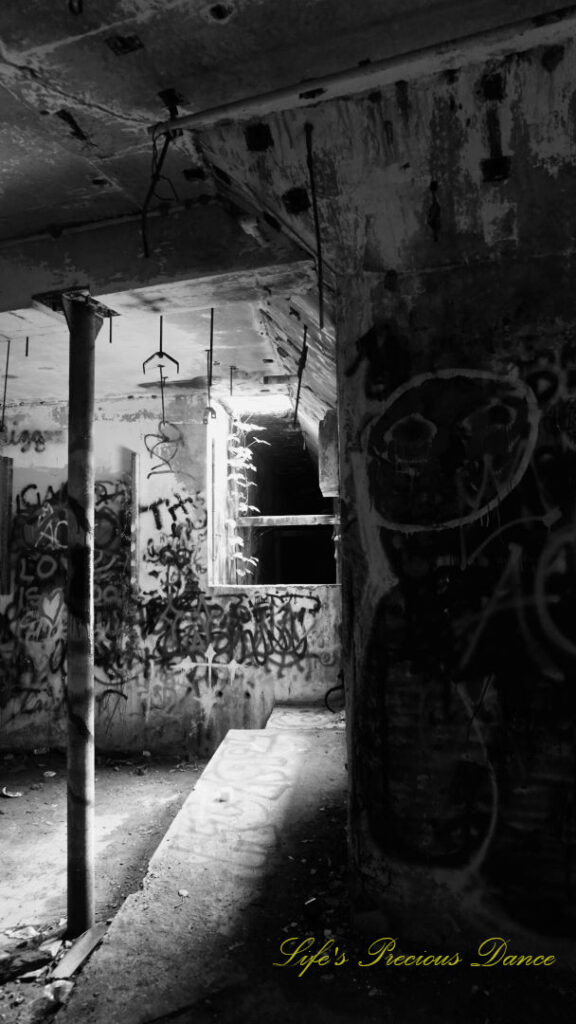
(254, 865)
(195, 928)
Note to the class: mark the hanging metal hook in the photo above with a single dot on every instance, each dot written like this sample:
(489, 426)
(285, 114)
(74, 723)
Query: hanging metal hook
(161, 354)
(162, 379)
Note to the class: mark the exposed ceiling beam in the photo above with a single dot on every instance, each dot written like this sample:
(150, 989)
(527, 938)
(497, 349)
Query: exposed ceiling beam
(202, 243)
(542, 30)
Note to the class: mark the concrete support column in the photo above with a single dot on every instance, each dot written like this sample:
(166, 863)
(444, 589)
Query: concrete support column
(84, 325)
(459, 641)
(404, 748)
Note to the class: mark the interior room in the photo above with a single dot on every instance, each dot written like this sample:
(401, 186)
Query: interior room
(287, 500)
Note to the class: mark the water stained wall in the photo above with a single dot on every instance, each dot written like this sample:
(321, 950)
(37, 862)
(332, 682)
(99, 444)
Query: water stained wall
(175, 664)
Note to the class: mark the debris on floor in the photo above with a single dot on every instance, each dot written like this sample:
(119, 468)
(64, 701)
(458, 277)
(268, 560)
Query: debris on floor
(42, 958)
(79, 952)
(133, 812)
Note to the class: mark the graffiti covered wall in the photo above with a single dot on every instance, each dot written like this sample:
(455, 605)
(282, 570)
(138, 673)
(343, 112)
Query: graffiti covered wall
(457, 350)
(175, 665)
(458, 599)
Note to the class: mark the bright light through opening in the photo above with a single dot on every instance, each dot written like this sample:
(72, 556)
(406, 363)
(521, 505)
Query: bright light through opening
(277, 405)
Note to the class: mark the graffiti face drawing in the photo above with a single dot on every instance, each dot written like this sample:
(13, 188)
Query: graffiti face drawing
(448, 447)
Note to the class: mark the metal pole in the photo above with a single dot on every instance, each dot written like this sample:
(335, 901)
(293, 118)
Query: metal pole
(84, 325)
(5, 382)
(308, 128)
(301, 365)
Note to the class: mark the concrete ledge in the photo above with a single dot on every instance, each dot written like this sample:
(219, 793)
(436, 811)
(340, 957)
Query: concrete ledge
(166, 950)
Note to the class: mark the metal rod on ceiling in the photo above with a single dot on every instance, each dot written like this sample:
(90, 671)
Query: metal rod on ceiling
(209, 412)
(160, 353)
(6, 480)
(319, 264)
(211, 353)
(474, 47)
(301, 365)
(8, 343)
(27, 341)
(84, 325)
(153, 182)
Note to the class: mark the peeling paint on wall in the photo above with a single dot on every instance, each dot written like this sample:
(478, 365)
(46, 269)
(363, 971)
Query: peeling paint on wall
(497, 139)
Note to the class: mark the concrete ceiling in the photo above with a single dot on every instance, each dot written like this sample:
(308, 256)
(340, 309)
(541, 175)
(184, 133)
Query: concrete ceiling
(39, 351)
(82, 82)
(79, 90)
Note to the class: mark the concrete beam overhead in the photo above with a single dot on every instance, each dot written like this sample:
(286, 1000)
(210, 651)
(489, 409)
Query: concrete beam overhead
(190, 245)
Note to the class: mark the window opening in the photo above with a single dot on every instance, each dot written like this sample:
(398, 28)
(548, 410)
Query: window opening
(270, 523)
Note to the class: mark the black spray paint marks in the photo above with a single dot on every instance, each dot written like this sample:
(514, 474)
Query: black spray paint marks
(36, 618)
